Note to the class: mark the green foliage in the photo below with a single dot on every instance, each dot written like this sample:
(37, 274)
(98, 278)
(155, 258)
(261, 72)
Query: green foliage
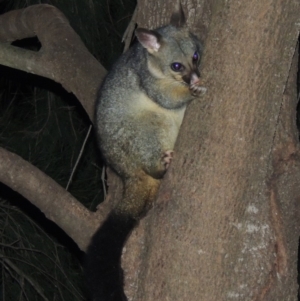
(49, 131)
(34, 266)
(46, 126)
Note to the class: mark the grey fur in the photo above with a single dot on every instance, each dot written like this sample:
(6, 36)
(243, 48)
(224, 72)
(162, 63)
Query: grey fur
(142, 101)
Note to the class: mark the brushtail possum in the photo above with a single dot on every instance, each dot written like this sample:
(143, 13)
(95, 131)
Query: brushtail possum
(139, 111)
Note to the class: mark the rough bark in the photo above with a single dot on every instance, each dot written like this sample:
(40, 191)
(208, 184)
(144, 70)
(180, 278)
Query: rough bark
(284, 191)
(225, 224)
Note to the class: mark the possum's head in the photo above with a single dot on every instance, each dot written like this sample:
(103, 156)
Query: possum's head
(173, 53)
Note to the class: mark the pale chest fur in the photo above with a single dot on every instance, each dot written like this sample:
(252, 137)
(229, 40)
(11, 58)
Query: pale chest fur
(166, 121)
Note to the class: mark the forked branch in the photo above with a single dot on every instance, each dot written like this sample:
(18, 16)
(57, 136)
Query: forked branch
(63, 56)
(64, 59)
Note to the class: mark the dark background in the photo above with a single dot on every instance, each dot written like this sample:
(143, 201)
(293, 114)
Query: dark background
(46, 126)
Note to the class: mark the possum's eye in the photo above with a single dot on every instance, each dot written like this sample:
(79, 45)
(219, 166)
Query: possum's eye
(177, 67)
(196, 57)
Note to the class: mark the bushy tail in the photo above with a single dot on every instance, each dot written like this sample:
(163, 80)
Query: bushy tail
(103, 259)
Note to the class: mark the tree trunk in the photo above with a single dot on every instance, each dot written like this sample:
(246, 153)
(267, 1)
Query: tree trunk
(225, 225)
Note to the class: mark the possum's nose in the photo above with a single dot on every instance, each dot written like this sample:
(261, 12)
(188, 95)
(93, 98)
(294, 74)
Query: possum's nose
(192, 77)
(195, 85)
(195, 79)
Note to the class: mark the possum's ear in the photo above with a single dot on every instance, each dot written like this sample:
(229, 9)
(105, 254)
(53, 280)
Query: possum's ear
(151, 40)
(178, 18)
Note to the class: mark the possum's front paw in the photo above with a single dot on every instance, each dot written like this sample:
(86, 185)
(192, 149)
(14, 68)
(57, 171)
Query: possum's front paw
(167, 158)
(197, 90)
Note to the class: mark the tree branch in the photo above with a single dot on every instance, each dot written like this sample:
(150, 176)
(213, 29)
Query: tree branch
(62, 58)
(54, 201)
